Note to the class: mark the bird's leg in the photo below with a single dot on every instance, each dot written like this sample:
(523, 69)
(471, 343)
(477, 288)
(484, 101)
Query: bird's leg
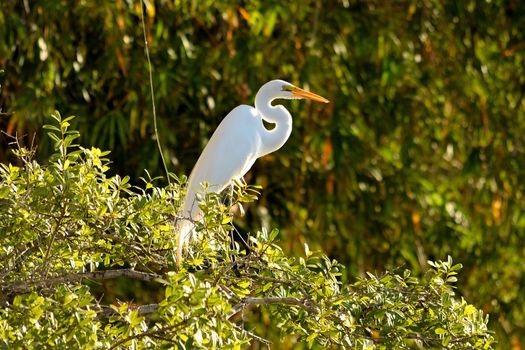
(231, 195)
(242, 212)
(231, 213)
(243, 185)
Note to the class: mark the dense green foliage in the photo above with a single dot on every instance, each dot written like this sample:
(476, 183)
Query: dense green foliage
(62, 222)
(419, 156)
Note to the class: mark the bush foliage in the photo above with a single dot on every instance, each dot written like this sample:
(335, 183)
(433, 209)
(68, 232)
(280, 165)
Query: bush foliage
(67, 223)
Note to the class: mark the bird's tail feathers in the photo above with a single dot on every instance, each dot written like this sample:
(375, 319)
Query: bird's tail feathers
(185, 229)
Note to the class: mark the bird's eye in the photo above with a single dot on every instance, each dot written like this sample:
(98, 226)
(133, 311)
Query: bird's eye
(287, 88)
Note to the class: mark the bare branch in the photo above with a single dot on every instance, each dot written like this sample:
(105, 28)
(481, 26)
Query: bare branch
(25, 286)
(280, 281)
(253, 335)
(107, 311)
(44, 267)
(308, 305)
(152, 333)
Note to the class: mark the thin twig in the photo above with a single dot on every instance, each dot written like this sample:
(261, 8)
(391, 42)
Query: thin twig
(152, 333)
(253, 335)
(45, 267)
(146, 47)
(305, 304)
(107, 311)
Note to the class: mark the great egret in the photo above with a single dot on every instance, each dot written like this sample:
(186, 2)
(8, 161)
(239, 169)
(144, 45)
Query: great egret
(237, 142)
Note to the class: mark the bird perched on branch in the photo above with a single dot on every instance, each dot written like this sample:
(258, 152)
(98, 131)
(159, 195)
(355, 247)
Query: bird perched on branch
(237, 142)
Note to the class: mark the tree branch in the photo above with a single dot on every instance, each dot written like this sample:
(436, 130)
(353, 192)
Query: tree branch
(25, 286)
(152, 333)
(44, 267)
(253, 335)
(275, 280)
(107, 311)
(308, 305)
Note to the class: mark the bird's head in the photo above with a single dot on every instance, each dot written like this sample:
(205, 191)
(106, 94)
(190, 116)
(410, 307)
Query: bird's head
(283, 89)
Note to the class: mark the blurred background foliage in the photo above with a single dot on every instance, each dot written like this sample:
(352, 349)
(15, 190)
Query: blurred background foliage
(419, 155)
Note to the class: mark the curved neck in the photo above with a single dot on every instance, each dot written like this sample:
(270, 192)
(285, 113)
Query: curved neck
(273, 139)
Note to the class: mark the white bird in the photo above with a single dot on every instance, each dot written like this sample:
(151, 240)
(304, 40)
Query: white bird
(237, 142)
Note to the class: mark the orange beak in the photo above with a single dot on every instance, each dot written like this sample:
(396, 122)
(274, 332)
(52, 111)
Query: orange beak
(309, 95)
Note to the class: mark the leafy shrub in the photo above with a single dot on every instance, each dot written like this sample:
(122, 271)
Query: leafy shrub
(68, 223)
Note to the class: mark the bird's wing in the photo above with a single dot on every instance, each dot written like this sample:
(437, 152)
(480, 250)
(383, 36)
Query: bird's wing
(229, 154)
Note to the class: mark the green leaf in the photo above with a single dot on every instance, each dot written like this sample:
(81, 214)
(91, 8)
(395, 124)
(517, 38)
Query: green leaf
(51, 127)
(440, 331)
(53, 137)
(267, 286)
(273, 235)
(311, 338)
